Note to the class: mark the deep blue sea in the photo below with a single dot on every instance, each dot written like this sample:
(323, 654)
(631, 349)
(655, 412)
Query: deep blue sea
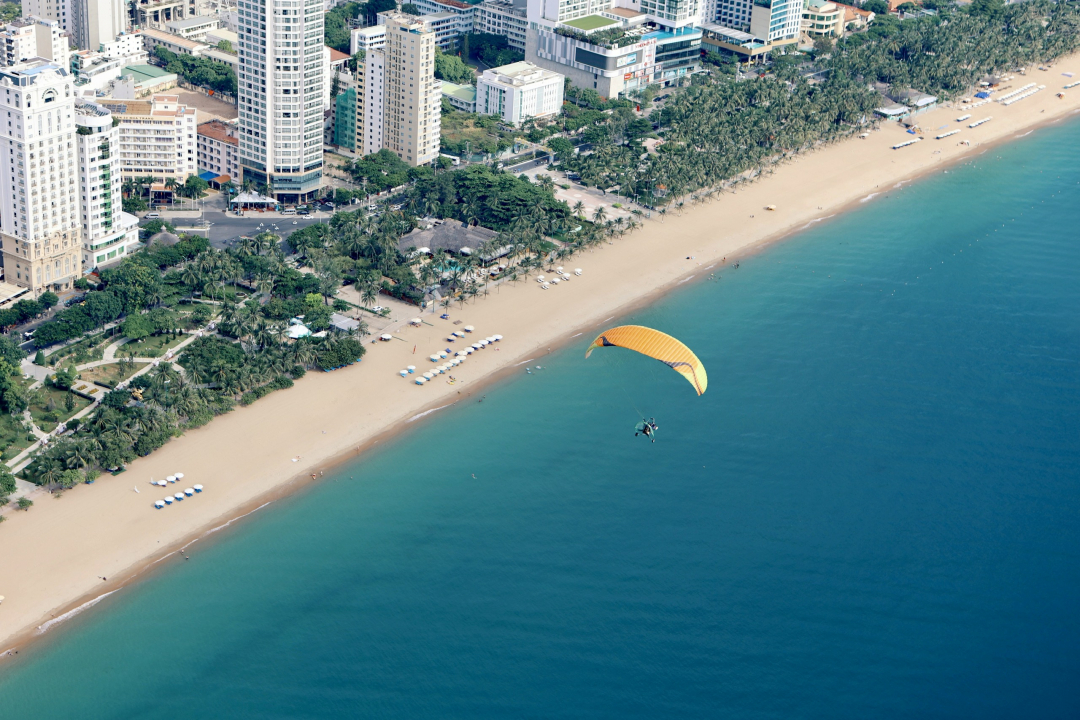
(874, 511)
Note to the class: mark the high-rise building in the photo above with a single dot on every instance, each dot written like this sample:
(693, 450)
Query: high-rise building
(281, 96)
(157, 137)
(34, 37)
(503, 17)
(108, 233)
(370, 100)
(412, 97)
(40, 231)
(777, 22)
(97, 21)
(58, 10)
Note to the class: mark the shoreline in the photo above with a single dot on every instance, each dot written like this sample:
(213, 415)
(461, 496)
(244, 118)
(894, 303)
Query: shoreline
(244, 458)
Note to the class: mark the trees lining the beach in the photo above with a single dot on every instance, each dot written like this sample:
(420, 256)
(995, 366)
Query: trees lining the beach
(720, 131)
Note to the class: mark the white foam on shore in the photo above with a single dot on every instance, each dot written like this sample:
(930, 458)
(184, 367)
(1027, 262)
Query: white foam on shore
(211, 531)
(686, 279)
(900, 184)
(44, 627)
(574, 336)
(1025, 134)
(525, 361)
(610, 318)
(427, 412)
(871, 196)
(817, 220)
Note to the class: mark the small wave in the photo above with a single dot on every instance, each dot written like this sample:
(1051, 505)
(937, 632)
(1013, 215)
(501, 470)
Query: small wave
(711, 266)
(817, 220)
(571, 337)
(871, 196)
(610, 318)
(427, 412)
(1025, 134)
(44, 627)
(211, 531)
(529, 360)
(900, 184)
(686, 279)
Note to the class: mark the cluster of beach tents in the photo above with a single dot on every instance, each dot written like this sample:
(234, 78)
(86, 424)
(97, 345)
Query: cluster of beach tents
(178, 497)
(444, 356)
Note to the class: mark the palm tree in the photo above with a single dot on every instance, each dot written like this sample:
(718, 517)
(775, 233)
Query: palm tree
(599, 215)
(579, 210)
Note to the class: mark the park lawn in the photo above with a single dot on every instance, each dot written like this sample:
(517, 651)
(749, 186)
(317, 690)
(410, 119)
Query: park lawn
(13, 436)
(153, 346)
(47, 420)
(86, 350)
(459, 127)
(112, 373)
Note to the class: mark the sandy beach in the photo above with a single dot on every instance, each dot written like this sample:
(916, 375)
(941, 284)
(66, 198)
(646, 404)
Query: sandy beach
(64, 553)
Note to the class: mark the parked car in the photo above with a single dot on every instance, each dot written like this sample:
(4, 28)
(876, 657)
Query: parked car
(152, 215)
(305, 211)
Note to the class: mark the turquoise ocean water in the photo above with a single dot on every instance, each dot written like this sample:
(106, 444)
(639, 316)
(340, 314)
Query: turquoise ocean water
(873, 512)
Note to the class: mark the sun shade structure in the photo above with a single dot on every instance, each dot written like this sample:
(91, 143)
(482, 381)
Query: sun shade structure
(659, 346)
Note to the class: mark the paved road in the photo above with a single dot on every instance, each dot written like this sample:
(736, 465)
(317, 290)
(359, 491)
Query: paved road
(226, 228)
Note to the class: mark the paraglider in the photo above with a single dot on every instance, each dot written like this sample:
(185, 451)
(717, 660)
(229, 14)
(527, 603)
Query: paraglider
(658, 346)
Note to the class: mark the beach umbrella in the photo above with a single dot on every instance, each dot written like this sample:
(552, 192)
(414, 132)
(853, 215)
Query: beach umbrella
(540, 279)
(484, 343)
(545, 286)
(468, 328)
(403, 373)
(411, 368)
(459, 334)
(470, 351)
(189, 491)
(497, 337)
(555, 281)
(179, 496)
(559, 269)
(171, 478)
(179, 476)
(168, 501)
(414, 321)
(386, 337)
(577, 271)
(451, 338)
(433, 358)
(421, 381)
(198, 488)
(428, 375)
(159, 504)
(443, 353)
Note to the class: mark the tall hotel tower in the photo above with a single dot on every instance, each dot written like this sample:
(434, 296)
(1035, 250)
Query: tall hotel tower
(281, 96)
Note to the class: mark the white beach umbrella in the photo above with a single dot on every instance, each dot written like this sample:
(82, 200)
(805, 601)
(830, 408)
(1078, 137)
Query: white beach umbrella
(468, 328)
(159, 504)
(451, 338)
(198, 488)
(421, 380)
(179, 496)
(545, 286)
(433, 358)
(179, 476)
(497, 337)
(470, 351)
(539, 278)
(189, 491)
(429, 375)
(459, 333)
(559, 269)
(443, 353)
(171, 478)
(168, 501)
(411, 368)
(415, 321)
(577, 271)
(403, 373)
(485, 343)
(386, 337)
(555, 281)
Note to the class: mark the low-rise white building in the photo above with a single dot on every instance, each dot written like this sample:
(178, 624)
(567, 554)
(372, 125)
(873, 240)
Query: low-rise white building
(109, 234)
(124, 45)
(519, 91)
(157, 137)
(152, 39)
(219, 149)
(193, 28)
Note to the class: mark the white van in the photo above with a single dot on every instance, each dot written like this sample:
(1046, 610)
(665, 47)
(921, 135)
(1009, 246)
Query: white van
(153, 215)
(288, 211)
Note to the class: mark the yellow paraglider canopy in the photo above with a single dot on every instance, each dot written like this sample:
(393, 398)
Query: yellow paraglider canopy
(659, 346)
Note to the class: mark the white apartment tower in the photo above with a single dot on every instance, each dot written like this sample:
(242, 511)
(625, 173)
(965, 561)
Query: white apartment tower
(775, 21)
(94, 22)
(108, 233)
(40, 230)
(34, 37)
(58, 10)
(370, 92)
(281, 95)
(412, 98)
(157, 138)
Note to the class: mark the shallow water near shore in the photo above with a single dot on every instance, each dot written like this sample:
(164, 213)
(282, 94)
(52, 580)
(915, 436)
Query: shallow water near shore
(872, 512)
